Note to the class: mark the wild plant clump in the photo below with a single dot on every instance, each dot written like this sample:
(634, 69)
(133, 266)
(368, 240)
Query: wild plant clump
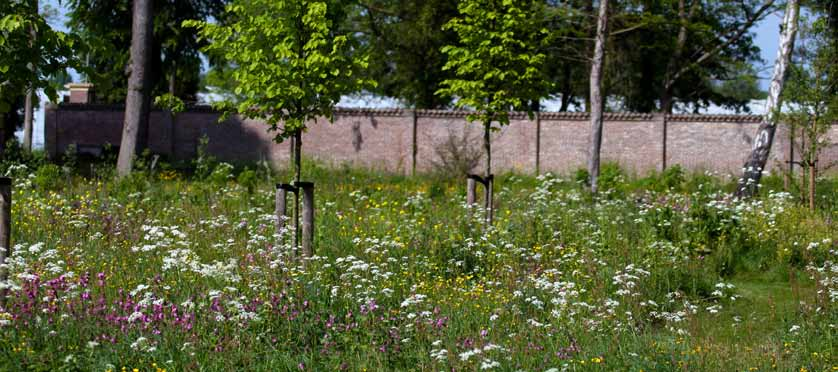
(164, 273)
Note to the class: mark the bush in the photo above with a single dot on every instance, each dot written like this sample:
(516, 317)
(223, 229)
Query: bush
(48, 177)
(14, 154)
(222, 173)
(204, 163)
(248, 179)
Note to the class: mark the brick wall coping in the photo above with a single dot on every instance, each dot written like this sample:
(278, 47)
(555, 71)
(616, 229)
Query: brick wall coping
(460, 114)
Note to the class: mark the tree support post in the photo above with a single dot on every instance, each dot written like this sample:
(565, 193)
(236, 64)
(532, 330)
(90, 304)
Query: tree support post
(471, 189)
(307, 189)
(5, 232)
(281, 208)
(488, 186)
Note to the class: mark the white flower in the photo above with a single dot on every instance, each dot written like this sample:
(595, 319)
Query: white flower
(489, 364)
(464, 356)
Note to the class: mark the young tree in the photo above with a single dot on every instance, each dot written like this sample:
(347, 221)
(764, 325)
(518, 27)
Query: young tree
(749, 183)
(26, 63)
(810, 93)
(497, 65)
(596, 95)
(289, 64)
(290, 68)
(138, 100)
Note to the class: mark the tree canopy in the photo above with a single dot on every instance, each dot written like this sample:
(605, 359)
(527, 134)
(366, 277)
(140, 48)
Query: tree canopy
(105, 26)
(404, 41)
(290, 64)
(497, 63)
(51, 52)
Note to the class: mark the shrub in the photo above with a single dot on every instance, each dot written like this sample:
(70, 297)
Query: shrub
(248, 179)
(222, 173)
(457, 156)
(48, 177)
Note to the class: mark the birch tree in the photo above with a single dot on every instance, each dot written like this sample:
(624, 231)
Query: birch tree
(596, 95)
(137, 101)
(754, 166)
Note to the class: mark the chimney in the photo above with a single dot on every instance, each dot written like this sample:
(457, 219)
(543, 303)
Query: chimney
(80, 92)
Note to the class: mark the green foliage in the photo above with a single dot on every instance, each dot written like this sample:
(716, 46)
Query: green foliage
(497, 62)
(248, 178)
(291, 66)
(170, 102)
(404, 40)
(670, 179)
(204, 163)
(811, 102)
(105, 27)
(15, 155)
(612, 177)
(639, 58)
(51, 52)
(739, 89)
(222, 174)
(49, 177)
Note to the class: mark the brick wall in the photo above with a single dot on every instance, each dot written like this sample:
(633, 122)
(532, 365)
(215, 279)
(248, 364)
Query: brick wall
(388, 139)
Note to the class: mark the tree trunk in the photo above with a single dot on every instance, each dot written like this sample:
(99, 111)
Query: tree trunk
(29, 104)
(749, 183)
(535, 106)
(173, 79)
(790, 170)
(3, 135)
(681, 41)
(813, 175)
(596, 94)
(298, 145)
(567, 88)
(488, 189)
(28, 117)
(5, 233)
(137, 100)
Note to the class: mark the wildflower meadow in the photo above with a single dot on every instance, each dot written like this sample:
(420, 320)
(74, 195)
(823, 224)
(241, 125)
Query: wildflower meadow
(162, 271)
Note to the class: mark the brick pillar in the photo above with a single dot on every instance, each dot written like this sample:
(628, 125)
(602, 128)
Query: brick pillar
(81, 92)
(663, 123)
(413, 145)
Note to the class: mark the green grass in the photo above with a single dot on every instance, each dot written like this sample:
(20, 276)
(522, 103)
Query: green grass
(405, 273)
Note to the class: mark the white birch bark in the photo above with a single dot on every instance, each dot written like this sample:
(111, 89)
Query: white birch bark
(754, 166)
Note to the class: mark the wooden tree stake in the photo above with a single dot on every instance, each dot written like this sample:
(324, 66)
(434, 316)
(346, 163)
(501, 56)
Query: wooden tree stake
(307, 189)
(281, 208)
